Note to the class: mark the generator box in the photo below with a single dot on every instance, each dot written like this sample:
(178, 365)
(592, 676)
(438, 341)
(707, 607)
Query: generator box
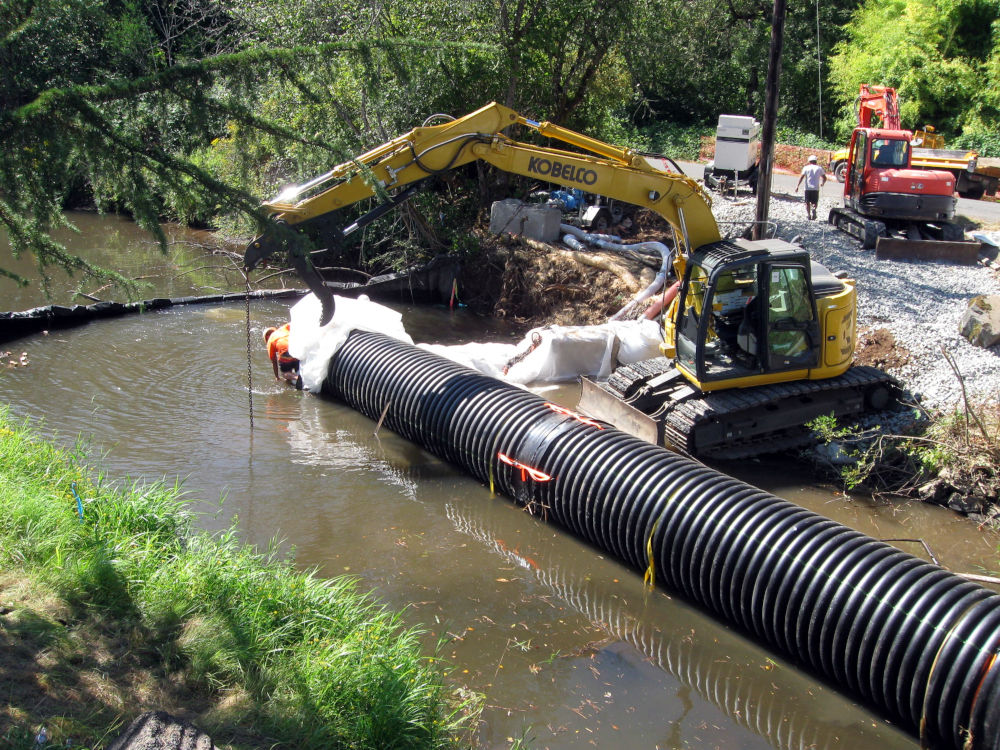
(736, 143)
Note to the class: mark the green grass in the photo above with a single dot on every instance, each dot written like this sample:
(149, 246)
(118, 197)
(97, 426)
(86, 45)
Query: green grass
(268, 650)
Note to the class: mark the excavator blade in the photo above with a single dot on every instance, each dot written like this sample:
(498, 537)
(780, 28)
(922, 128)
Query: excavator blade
(963, 252)
(598, 403)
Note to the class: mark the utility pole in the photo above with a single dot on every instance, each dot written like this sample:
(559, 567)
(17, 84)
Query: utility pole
(770, 116)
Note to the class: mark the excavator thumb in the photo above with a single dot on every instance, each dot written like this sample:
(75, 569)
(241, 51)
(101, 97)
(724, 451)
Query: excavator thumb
(281, 237)
(308, 273)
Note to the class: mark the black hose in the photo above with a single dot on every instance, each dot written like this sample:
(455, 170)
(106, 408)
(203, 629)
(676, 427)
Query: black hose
(18, 324)
(917, 642)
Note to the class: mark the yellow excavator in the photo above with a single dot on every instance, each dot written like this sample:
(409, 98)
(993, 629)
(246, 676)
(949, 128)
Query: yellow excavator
(757, 341)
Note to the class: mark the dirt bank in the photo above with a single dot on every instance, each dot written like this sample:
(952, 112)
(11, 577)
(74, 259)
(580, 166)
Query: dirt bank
(533, 284)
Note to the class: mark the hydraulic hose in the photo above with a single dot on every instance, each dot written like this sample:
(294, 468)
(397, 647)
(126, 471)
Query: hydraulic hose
(663, 301)
(915, 641)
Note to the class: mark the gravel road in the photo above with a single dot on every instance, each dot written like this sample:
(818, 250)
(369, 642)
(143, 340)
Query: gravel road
(920, 303)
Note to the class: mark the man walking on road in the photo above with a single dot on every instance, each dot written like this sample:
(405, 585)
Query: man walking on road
(815, 176)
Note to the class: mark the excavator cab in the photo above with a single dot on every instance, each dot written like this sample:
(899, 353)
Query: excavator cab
(890, 152)
(746, 314)
(759, 341)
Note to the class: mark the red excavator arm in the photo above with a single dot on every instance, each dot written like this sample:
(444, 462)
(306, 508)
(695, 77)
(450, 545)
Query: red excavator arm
(881, 102)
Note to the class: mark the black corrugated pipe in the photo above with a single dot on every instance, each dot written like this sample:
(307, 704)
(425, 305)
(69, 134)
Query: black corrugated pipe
(773, 708)
(914, 640)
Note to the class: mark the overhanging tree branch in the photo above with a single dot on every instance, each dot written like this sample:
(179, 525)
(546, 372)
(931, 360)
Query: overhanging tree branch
(204, 72)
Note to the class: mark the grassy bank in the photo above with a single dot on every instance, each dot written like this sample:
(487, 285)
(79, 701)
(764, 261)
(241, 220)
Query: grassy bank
(129, 609)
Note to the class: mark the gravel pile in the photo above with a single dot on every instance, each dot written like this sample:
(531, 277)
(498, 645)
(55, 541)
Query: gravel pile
(920, 303)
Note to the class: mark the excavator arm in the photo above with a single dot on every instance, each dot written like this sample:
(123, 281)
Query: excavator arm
(878, 101)
(391, 171)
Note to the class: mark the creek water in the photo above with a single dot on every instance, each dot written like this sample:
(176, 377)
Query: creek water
(566, 644)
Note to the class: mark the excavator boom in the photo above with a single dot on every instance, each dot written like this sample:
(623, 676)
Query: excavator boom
(878, 101)
(429, 150)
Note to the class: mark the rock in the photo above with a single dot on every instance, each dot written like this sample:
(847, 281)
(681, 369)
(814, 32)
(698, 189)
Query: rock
(158, 730)
(512, 216)
(966, 504)
(980, 323)
(834, 455)
(933, 491)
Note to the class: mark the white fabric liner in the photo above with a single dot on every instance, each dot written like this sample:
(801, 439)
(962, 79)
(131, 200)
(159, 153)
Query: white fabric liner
(314, 346)
(989, 238)
(564, 353)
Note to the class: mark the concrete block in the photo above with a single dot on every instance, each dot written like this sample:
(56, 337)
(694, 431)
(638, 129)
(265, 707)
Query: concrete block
(538, 222)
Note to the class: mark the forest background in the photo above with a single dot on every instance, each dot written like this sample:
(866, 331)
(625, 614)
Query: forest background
(195, 110)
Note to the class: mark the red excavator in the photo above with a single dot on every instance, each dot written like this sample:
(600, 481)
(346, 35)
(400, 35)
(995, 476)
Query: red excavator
(887, 203)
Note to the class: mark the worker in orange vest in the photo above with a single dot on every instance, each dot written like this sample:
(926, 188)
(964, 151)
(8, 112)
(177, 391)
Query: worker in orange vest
(284, 365)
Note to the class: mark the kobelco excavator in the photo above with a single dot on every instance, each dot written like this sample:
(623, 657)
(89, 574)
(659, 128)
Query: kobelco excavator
(758, 341)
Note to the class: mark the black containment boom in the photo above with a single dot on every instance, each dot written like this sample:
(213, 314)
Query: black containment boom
(917, 642)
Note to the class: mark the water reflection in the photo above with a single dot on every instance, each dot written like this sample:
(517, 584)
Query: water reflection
(753, 689)
(117, 243)
(560, 639)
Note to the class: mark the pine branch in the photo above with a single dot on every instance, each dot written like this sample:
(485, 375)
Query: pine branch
(165, 163)
(203, 72)
(246, 117)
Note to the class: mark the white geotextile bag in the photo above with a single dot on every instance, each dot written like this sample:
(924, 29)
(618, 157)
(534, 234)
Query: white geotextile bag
(564, 353)
(567, 352)
(314, 346)
(487, 358)
(639, 339)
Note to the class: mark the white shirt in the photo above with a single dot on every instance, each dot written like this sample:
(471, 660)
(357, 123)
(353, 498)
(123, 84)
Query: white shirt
(813, 174)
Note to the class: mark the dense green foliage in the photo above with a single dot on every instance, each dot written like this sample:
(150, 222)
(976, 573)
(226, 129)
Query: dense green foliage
(322, 664)
(692, 61)
(948, 458)
(942, 56)
(195, 110)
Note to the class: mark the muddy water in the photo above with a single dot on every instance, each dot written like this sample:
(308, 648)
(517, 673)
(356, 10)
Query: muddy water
(117, 243)
(565, 643)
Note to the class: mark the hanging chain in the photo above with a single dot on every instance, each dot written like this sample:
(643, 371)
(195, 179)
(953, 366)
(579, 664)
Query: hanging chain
(249, 359)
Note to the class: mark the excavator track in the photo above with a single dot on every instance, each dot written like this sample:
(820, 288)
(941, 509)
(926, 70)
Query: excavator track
(625, 379)
(747, 422)
(744, 422)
